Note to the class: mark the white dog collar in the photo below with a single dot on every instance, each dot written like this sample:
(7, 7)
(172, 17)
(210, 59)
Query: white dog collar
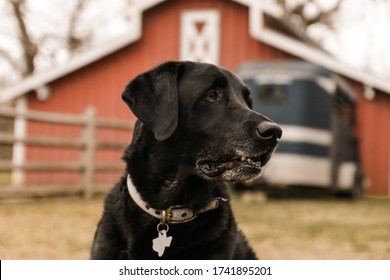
(173, 214)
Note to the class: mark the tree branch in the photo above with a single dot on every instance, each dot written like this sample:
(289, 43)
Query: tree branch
(30, 50)
(73, 41)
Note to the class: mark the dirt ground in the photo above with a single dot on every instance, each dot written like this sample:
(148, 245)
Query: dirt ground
(277, 229)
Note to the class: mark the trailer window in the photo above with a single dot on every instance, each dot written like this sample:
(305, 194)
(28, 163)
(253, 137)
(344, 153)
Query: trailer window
(272, 94)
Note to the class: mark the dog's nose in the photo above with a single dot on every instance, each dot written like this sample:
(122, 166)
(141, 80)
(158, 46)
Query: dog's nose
(269, 130)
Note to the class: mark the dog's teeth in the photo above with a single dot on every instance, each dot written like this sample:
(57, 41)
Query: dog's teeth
(243, 158)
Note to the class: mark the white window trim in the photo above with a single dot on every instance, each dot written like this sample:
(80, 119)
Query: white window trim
(210, 35)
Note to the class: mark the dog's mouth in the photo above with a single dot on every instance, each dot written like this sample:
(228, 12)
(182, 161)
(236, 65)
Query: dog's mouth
(241, 168)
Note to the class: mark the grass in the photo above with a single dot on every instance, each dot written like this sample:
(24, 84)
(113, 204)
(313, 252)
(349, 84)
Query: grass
(277, 229)
(317, 229)
(57, 229)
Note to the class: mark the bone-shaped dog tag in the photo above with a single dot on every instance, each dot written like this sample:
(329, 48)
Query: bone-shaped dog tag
(161, 242)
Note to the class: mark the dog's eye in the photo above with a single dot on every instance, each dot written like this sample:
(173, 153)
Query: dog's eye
(213, 95)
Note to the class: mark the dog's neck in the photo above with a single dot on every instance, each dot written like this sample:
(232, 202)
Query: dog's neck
(173, 214)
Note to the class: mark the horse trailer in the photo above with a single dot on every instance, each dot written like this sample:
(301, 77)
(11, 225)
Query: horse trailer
(316, 110)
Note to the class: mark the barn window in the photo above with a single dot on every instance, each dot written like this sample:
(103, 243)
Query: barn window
(200, 36)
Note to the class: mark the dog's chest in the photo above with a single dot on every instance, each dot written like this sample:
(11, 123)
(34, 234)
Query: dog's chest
(176, 243)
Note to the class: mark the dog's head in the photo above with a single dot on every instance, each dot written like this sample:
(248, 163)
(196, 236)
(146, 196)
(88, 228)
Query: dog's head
(206, 111)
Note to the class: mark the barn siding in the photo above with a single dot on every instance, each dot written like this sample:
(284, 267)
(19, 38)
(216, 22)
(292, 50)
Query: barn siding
(373, 132)
(375, 116)
(101, 83)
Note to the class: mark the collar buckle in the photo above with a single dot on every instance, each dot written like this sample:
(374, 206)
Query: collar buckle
(179, 214)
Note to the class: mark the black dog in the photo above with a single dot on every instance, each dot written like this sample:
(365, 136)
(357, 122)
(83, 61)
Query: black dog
(195, 131)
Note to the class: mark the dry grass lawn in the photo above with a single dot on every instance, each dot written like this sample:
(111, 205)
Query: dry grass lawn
(277, 229)
(317, 229)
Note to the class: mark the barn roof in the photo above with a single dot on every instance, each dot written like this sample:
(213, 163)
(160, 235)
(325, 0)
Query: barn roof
(257, 29)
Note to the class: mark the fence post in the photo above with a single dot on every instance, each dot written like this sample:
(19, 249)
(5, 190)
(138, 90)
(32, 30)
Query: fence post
(89, 153)
(18, 149)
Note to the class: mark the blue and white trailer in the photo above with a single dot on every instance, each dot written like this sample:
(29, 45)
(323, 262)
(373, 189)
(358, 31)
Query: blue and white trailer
(316, 110)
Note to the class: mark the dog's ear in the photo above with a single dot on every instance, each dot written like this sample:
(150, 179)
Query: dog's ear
(153, 98)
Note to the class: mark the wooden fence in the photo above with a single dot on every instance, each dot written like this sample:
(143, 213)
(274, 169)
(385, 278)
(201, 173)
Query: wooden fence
(87, 144)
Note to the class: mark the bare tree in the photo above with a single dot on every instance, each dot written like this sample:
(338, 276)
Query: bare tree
(303, 14)
(31, 46)
(73, 41)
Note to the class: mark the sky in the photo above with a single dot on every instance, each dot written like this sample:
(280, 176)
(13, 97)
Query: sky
(361, 37)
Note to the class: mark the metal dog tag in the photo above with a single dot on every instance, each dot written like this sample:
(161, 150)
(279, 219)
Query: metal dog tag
(162, 241)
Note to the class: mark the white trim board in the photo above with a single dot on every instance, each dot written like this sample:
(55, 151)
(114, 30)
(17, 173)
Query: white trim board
(200, 44)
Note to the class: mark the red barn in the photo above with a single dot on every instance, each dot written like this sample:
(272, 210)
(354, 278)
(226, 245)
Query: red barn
(226, 33)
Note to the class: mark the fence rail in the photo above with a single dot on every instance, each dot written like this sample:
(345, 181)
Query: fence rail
(87, 144)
